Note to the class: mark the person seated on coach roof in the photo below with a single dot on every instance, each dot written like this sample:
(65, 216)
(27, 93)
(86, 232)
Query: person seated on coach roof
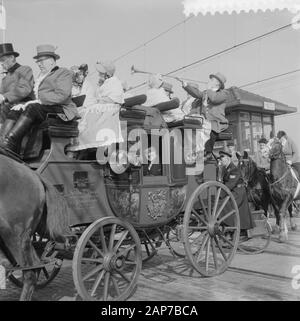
(83, 86)
(52, 91)
(212, 103)
(16, 86)
(156, 93)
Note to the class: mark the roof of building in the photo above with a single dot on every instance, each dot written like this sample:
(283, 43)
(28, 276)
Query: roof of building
(241, 99)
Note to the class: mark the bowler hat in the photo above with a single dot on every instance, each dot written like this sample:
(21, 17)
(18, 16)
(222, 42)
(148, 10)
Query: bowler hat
(7, 49)
(220, 77)
(222, 153)
(46, 50)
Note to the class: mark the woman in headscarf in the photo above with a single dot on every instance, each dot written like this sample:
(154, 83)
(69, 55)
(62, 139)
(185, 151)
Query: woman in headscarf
(82, 85)
(100, 124)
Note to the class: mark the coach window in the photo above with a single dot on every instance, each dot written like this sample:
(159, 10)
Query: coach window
(268, 126)
(257, 130)
(245, 131)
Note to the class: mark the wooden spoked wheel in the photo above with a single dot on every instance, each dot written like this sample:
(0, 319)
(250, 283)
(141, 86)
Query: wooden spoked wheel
(45, 274)
(107, 260)
(213, 217)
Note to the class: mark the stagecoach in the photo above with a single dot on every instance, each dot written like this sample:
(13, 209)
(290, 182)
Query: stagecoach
(121, 214)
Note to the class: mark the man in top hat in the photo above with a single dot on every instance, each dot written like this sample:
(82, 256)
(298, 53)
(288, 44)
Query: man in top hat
(52, 91)
(16, 86)
(232, 178)
(211, 103)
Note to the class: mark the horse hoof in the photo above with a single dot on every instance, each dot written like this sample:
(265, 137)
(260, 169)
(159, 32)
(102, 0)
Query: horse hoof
(294, 227)
(283, 238)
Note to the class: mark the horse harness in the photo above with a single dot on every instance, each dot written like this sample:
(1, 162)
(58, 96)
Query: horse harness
(292, 171)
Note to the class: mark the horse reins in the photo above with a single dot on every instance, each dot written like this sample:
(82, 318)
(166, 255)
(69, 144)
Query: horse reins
(281, 178)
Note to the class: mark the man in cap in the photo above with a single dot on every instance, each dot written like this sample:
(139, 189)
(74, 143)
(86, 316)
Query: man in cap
(16, 86)
(52, 91)
(232, 150)
(290, 150)
(232, 178)
(262, 156)
(212, 106)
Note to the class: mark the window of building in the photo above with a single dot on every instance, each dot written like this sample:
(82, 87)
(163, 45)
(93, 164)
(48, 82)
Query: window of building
(253, 127)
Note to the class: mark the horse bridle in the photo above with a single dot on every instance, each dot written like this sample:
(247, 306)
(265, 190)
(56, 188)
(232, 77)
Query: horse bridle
(279, 155)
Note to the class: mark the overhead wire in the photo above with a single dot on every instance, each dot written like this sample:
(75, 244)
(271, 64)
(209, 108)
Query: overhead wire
(224, 51)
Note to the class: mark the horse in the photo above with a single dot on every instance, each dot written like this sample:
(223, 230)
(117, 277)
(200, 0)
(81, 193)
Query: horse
(284, 185)
(28, 205)
(257, 183)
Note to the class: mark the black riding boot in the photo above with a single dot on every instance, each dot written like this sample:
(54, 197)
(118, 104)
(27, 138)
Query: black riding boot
(5, 129)
(13, 140)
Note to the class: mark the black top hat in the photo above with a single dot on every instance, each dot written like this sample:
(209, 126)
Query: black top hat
(7, 49)
(222, 153)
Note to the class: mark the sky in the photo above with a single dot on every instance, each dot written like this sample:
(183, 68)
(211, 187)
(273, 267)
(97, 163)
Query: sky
(86, 31)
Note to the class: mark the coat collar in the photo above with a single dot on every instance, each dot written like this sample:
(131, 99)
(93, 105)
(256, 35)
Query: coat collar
(51, 72)
(13, 68)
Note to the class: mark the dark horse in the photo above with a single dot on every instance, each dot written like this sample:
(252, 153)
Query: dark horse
(256, 182)
(258, 188)
(28, 204)
(284, 185)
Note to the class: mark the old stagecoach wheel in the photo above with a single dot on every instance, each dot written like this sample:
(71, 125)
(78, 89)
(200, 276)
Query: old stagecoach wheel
(52, 264)
(212, 214)
(107, 260)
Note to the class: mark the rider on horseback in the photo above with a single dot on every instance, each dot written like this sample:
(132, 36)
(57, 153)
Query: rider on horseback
(290, 151)
(262, 157)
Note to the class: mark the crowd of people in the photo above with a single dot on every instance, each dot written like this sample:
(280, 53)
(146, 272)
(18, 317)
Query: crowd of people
(26, 101)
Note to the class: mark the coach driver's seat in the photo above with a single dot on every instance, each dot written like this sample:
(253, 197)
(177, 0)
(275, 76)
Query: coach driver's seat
(39, 138)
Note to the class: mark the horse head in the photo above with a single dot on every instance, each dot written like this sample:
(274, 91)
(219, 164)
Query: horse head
(246, 165)
(275, 151)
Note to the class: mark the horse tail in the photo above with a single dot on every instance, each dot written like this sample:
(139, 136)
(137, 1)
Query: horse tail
(56, 210)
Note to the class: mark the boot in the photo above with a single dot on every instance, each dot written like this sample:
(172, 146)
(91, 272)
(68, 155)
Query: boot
(12, 141)
(5, 129)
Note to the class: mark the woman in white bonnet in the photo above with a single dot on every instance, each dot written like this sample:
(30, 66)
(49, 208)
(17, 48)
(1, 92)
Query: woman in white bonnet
(100, 124)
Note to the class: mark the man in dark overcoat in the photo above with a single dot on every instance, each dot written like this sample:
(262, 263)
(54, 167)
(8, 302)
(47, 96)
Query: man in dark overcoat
(232, 178)
(16, 86)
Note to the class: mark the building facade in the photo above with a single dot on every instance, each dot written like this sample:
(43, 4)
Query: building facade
(251, 117)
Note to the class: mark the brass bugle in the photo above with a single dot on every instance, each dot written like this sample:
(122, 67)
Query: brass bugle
(134, 70)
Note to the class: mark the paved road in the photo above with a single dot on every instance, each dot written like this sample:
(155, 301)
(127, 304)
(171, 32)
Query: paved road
(266, 276)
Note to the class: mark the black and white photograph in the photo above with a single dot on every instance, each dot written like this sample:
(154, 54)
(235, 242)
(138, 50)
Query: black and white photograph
(149, 152)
